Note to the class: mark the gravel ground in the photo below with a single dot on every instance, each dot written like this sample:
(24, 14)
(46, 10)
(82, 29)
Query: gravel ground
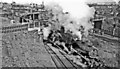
(108, 51)
(23, 49)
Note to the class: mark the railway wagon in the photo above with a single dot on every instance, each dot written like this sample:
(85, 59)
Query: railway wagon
(15, 28)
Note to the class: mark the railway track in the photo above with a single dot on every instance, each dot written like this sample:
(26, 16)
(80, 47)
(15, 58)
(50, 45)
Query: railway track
(107, 38)
(60, 59)
(74, 65)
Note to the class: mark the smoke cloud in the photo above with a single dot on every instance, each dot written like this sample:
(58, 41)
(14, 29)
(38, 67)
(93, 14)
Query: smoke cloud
(117, 1)
(46, 31)
(79, 14)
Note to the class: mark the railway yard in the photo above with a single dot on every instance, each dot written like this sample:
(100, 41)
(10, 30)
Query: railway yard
(24, 43)
(25, 49)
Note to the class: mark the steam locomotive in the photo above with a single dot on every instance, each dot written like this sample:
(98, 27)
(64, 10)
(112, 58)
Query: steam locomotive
(69, 43)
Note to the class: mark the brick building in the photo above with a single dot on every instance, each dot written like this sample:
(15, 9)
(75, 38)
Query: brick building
(107, 17)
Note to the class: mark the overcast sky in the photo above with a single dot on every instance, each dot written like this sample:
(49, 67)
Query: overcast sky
(39, 1)
(100, 0)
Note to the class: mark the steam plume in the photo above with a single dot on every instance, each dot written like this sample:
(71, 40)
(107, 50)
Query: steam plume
(117, 1)
(79, 14)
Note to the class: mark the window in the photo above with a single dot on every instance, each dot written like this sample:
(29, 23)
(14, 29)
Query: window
(36, 24)
(31, 25)
(36, 16)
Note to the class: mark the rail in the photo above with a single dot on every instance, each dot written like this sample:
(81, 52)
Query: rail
(59, 59)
